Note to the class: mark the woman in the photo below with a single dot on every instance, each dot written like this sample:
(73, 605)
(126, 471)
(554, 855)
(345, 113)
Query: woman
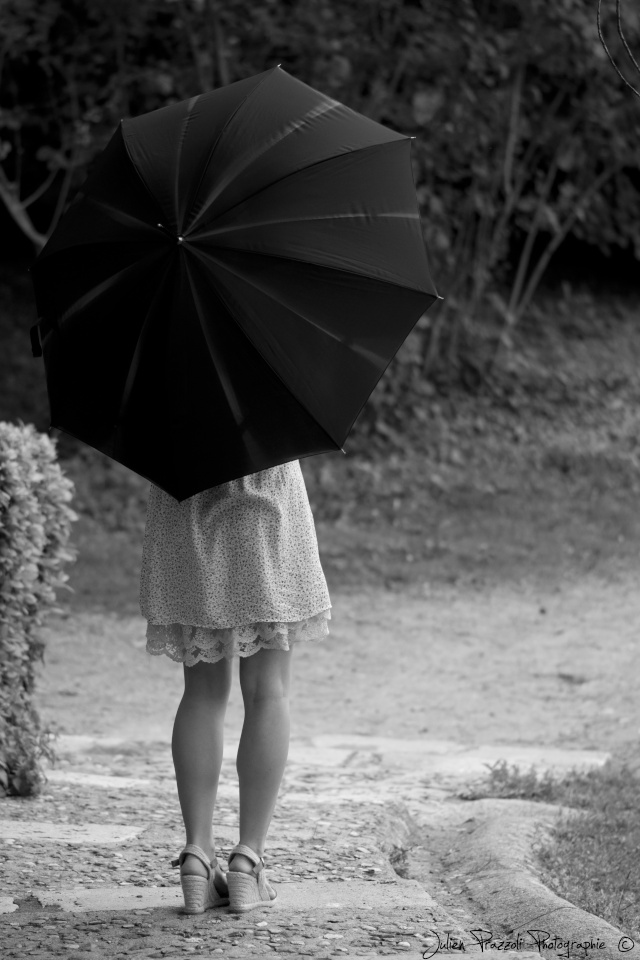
(231, 572)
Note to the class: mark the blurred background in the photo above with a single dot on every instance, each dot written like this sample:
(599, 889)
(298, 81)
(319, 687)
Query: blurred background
(502, 443)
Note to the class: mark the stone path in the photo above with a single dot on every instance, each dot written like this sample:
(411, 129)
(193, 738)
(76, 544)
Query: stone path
(86, 869)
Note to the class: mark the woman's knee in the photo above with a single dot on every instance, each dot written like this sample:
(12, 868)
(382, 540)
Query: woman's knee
(210, 680)
(266, 675)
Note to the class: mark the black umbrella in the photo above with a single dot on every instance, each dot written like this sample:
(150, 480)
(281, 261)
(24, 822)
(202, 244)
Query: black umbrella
(230, 283)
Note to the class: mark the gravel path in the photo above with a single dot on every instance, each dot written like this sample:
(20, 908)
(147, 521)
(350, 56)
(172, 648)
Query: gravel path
(399, 709)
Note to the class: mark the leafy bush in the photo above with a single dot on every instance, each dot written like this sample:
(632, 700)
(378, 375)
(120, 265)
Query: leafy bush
(35, 522)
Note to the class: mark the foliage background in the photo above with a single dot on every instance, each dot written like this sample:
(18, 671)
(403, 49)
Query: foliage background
(525, 136)
(525, 161)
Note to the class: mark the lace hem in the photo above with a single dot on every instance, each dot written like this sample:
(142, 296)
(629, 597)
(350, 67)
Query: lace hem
(190, 644)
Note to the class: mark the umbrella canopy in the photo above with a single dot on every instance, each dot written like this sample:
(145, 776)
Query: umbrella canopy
(230, 283)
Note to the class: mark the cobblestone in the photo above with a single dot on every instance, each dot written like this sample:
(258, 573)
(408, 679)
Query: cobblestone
(87, 873)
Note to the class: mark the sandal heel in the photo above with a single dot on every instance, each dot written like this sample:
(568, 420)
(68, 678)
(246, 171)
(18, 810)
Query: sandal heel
(244, 893)
(200, 893)
(249, 890)
(195, 891)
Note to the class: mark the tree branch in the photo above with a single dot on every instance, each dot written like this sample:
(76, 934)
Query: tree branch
(512, 137)
(224, 75)
(37, 193)
(532, 234)
(17, 212)
(553, 245)
(204, 78)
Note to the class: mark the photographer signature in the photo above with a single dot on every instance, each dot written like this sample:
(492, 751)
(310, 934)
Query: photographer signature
(540, 939)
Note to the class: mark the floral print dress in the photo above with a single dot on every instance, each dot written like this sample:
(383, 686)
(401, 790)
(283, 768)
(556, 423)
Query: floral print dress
(233, 569)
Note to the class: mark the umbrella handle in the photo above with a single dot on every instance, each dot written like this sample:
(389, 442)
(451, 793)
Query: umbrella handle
(38, 332)
(36, 344)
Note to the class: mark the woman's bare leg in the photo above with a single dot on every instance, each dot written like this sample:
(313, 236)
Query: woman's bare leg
(197, 746)
(265, 680)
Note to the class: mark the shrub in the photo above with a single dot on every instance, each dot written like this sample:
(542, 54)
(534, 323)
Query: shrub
(35, 522)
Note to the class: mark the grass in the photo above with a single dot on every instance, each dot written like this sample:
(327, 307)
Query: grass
(591, 858)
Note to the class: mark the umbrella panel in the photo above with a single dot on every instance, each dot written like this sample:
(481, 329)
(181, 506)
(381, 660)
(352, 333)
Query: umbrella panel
(168, 148)
(200, 386)
(87, 362)
(327, 334)
(357, 212)
(112, 205)
(283, 126)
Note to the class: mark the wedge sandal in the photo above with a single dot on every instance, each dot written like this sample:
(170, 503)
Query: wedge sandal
(247, 891)
(200, 893)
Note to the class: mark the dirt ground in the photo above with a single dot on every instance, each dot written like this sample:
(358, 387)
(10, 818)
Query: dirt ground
(518, 625)
(483, 564)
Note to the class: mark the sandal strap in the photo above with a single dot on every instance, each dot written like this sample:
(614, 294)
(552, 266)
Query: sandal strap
(195, 851)
(245, 851)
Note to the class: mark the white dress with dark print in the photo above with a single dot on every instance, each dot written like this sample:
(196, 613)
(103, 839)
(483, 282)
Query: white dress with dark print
(233, 569)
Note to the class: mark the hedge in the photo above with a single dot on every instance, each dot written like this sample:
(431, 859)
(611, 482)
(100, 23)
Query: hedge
(35, 523)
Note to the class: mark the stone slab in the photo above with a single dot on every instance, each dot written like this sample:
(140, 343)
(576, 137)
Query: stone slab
(344, 794)
(386, 745)
(317, 755)
(342, 797)
(99, 780)
(292, 897)
(79, 743)
(305, 750)
(7, 905)
(443, 756)
(37, 832)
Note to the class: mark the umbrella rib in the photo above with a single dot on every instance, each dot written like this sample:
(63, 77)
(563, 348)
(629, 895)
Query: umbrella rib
(310, 166)
(404, 285)
(137, 353)
(176, 179)
(326, 266)
(214, 146)
(119, 216)
(225, 381)
(224, 298)
(250, 158)
(307, 319)
(332, 216)
(106, 285)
